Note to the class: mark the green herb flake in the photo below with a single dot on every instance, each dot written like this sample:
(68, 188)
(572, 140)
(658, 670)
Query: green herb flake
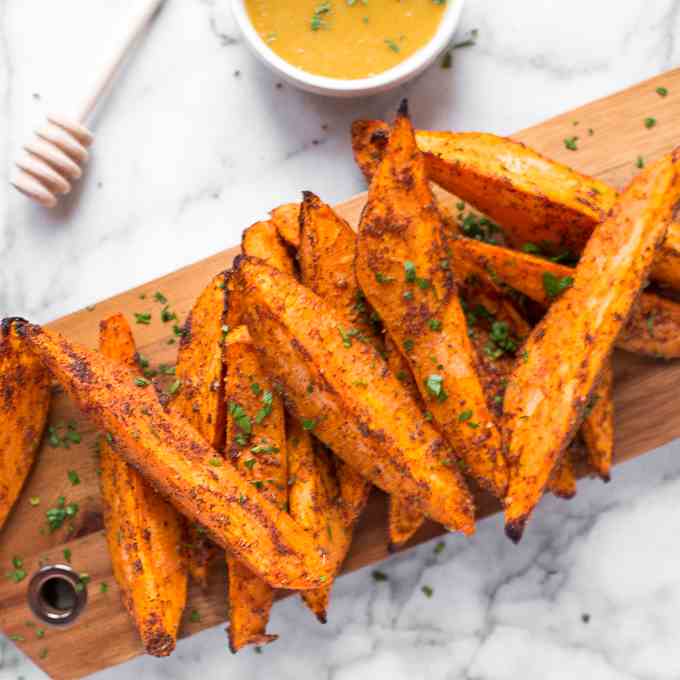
(194, 617)
(464, 416)
(409, 271)
(67, 555)
(662, 91)
(640, 162)
(554, 285)
(159, 297)
(215, 461)
(392, 45)
(439, 548)
(103, 587)
(142, 382)
(34, 501)
(427, 591)
(435, 324)
(435, 386)
(650, 122)
(143, 318)
(379, 575)
(570, 143)
(73, 477)
(308, 424)
(383, 278)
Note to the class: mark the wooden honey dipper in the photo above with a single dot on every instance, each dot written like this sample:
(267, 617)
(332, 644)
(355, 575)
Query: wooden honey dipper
(52, 160)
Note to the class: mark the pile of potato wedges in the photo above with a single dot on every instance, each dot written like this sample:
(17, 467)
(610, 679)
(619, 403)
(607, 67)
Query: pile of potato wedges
(430, 353)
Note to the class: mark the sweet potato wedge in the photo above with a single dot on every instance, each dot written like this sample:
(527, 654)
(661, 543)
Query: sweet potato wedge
(256, 447)
(652, 329)
(285, 219)
(567, 351)
(201, 398)
(262, 240)
(403, 520)
(598, 425)
(143, 531)
(182, 466)
(24, 404)
(327, 246)
(535, 199)
(404, 271)
(315, 503)
(562, 482)
(345, 394)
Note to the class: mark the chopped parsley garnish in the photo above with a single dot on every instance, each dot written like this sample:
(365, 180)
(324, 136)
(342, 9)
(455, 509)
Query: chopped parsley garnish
(67, 555)
(408, 295)
(308, 424)
(83, 580)
(650, 323)
(408, 345)
(435, 324)
(319, 12)
(531, 248)
(255, 389)
(500, 341)
(58, 515)
(392, 45)
(439, 548)
(103, 587)
(640, 162)
(241, 418)
(464, 416)
(409, 271)
(435, 386)
(194, 617)
(18, 573)
(34, 501)
(159, 297)
(650, 122)
(142, 382)
(479, 228)
(382, 278)
(554, 285)
(379, 575)
(570, 143)
(174, 388)
(167, 315)
(427, 591)
(143, 318)
(662, 91)
(73, 477)
(215, 461)
(267, 400)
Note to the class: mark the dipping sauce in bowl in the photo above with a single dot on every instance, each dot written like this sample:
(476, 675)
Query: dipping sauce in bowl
(346, 39)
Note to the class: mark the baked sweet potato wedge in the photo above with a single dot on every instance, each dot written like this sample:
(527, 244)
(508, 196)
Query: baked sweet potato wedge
(403, 520)
(315, 503)
(143, 531)
(598, 425)
(24, 404)
(285, 219)
(262, 240)
(567, 351)
(201, 397)
(327, 246)
(562, 482)
(403, 268)
(256, 447)
(652, 329)
(535, 199)
(182, 466)
(344, 393)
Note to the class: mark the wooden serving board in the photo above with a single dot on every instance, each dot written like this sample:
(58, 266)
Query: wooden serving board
(646, 414)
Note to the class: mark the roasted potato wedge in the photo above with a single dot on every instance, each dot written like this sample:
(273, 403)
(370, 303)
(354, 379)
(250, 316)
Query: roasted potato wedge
(24, 404)
(652, 329)
(598, 425)
(201, 399)
(262, 240)
(567, 351)
(535, 199)
(182, 466)
(315, 503)
(143, 531)
(256, 447)
(562, 482)
(404, 271)
(403, 520)
(286, 220)
(327, 246)
(345, 394)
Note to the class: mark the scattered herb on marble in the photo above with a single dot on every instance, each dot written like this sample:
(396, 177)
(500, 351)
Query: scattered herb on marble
(379, 575)
(427, 591)
(439, 548)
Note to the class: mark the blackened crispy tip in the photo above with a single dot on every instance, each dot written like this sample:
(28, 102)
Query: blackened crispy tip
(403, 108)
(309, 195)
(322, 617)
(606, 478)
(236, 264)
(515, 529)
(18, 322)
(392, 547)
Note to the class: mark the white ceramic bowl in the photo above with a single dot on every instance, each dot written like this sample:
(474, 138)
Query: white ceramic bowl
(336, 87)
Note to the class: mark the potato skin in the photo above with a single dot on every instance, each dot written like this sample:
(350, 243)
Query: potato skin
(356, 407)
(24, 405)
(143, 531)
(534, 199)
(285, 218)
(181, 466)
(403, 268)
(652, 329)
(567, 351)
(200, 399)
(246, 387)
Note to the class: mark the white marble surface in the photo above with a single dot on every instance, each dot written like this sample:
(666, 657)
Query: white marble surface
(187, 155)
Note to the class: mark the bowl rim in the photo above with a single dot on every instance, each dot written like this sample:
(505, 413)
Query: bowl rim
(379, 82)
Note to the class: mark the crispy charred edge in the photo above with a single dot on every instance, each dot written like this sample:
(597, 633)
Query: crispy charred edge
(157, 641)
(236, 645)
(402, 111)
(514, 530)
(18, 323)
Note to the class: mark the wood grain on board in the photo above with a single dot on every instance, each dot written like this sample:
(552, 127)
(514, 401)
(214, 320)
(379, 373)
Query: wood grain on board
(646, 414)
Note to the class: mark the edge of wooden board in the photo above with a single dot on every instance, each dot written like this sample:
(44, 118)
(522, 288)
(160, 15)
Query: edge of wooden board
(638, 381)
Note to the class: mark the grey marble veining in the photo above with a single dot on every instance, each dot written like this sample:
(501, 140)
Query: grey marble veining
(197, 141)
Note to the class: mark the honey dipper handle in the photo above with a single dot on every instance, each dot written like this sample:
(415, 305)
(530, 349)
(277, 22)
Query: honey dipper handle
(144, 11)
